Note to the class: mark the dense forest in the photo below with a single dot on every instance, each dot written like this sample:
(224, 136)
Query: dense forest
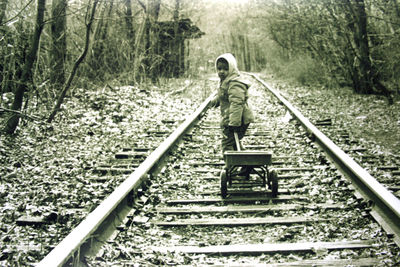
(48, 48)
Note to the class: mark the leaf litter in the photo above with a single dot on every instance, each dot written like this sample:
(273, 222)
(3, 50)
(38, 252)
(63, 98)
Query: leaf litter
(59, 158)
(47, 170)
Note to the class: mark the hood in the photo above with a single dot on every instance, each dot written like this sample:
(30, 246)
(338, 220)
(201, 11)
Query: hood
(233, 72)
(233, 69)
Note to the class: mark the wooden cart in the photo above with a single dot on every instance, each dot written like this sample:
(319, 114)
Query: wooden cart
(254, 162)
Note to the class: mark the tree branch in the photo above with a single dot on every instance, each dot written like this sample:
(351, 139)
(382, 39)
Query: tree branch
(76, 65)
(20, 113)
(11, 19)
(143, 5)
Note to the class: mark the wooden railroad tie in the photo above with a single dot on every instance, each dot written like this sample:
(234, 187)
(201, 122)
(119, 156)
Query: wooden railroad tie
(244, 208)
(269, 248)
(240, 221)
(260, 199)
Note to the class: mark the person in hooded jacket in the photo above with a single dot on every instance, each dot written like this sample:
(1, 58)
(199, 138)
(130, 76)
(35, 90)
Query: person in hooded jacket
(236, 114)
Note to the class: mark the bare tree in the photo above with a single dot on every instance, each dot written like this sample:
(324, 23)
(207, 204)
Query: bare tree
(128, 20)
(98, 56)
(3, 6)
(13, 120)
(150, 61)
(90, 19)
(369, 80)
(176, 53)
(3, 76)
(340, 37)
(59, 45)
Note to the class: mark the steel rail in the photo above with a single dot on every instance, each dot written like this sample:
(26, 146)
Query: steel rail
(385, 206)
(101, 222)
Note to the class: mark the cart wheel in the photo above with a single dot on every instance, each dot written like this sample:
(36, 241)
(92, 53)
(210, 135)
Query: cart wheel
(229, 178)
(224, 186)
(274, 183)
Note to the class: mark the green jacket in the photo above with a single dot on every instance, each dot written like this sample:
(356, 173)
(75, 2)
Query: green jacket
(232, 97)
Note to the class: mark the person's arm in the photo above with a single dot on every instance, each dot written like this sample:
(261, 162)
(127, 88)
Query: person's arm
(237, 98)
(215, 102)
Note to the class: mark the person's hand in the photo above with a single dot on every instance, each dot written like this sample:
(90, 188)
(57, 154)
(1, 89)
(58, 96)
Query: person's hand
(234, 128)
(214, 103)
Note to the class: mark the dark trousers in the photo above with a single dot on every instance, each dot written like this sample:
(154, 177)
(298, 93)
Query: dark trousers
(228, 139)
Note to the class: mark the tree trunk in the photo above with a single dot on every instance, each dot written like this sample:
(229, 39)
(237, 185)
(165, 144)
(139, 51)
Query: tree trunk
(3, 68)
(151, 61)
(98, 56)
(369, 78)
(177, 44)
(138, 53)
(59, 45)
(130, 31)
(3, 6)
(76, 64)
(154, 9)
(361, 41)
(396, 8)
(13, 120)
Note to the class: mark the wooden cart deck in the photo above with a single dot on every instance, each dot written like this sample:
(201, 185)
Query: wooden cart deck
(247, 158)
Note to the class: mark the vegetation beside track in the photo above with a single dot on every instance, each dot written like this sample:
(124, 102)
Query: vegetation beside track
(46, 170)
(368, 117)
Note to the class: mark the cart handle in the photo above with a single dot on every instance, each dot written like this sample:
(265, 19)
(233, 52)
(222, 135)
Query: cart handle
(237, 141)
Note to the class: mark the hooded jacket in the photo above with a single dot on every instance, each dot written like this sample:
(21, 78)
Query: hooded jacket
(232, 96)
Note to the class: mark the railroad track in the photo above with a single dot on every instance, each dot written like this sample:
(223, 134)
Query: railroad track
(328, 211)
